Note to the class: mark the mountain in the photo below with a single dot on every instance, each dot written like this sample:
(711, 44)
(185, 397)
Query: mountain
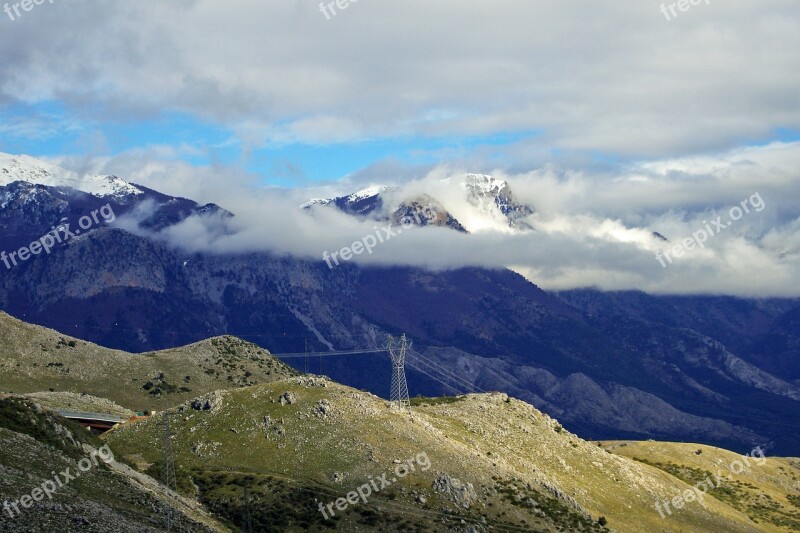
(31, 170)
(364, 202)
(421, 210)
(490, 201)
(424, 210)
(494, 197)
(36, 196)
(721, 371)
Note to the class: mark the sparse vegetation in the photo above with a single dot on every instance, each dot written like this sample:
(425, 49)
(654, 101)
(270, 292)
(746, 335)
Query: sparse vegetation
(739, 492)
(244, 451)
(543, 504)
(442, 400)
(22, 416)
(34, 443)
(140, 382)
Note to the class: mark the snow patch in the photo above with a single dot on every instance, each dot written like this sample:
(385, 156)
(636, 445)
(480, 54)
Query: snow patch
(38, 172)
(369, 192)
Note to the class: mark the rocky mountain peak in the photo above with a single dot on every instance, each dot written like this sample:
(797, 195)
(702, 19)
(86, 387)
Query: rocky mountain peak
(38, 172)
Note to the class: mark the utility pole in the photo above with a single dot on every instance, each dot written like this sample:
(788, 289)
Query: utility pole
(399, 391)
(168, 476)
(248, 522)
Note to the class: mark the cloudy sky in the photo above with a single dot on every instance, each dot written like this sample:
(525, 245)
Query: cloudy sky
(612, 119)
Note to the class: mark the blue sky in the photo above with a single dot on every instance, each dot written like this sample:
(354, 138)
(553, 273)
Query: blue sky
(51, 129)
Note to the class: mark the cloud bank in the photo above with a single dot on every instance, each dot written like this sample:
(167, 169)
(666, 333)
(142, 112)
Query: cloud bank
(614, 77)
(590, 229)
(609, 120)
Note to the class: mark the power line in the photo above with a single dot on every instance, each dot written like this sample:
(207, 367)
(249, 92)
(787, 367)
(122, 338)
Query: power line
(447, 372)
(410, 364)
(434, 368)
(298, 355)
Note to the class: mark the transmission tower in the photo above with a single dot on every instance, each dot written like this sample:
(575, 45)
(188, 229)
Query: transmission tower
(168, 473)
(397, 351)
(248, 521)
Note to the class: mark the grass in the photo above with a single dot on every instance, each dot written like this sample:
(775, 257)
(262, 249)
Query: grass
(526, 497)
(35, 443)
(443, 400)
(762, 491)
(20, 416)
(35, 359)
(526, 473)
(253, 459)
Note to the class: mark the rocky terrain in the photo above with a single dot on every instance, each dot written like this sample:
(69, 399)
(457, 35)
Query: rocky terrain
(266, 452)
(34, 444)
(79, 402)
(496, 463)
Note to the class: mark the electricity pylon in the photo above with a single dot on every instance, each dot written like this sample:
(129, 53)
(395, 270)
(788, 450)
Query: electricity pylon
(248, 521)
(168, 474)
(397, 351)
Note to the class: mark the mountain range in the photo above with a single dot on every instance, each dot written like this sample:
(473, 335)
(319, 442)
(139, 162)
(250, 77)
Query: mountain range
(717, 370)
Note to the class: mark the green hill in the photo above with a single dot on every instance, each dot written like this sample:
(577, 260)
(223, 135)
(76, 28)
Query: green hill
(36, 446)
(525, 471)
(36, 359)
(266, 449)
(766, 489)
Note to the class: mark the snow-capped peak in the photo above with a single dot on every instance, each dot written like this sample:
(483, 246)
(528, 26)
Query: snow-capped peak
(483, 184)
(369, 192)
(32, 170)
(490, 205)
(315, 201)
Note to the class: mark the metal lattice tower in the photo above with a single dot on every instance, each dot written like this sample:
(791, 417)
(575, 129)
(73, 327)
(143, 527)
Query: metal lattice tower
(168, 473)
(248, 521)
(397, 351)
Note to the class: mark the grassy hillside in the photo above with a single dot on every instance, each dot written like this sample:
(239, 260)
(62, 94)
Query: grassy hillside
(36, 359)
(766, 489)
(262, 447)
(34, 444)
(79, 402)
(528, 473)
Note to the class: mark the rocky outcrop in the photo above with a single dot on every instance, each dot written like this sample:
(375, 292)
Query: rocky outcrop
(460, 493)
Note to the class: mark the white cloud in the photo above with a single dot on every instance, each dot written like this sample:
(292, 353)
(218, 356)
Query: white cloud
(590, 230)
(613, 77)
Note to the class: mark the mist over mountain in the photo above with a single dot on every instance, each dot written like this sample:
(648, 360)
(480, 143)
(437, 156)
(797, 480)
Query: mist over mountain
(580, 231)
